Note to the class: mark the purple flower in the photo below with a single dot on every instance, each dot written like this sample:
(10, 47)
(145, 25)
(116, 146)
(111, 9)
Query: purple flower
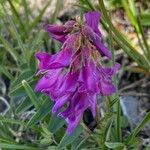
(75, 76)
(60, 32)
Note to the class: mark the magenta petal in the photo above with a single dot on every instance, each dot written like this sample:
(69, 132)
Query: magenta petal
(71, 42)
(112, 70)
(105, 84)
(78, 104)
(61, 59)
(47, 81)
(81, 102)
(92, 19)
(72, 124)
(69, 111)
(57, 32)
(69, 83)
(69, 25)
(67, 86)
(102, 48)
(44, 59)
(58, 60)
(60, 103)
(106, 87)
(92, 101)
(96, 41)
(64, 57)
(88, 79)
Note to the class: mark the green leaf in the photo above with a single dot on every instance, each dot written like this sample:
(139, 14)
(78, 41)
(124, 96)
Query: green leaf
(17, 15)
(138, 129)
(23, 66)
(129, 12)
(37, 40)
(132, 7)
(45, 142)
(21, 45)
(114, 144)
(45, 131)
(68, 139)
(55, 123)
(32, 62)
(26, 12)
(6, 73)
(9, 48)
(108, 132)
(41, 113)
(145, 19)
(25, 75)
(77, 143)
(15, 146)
(25, 105)
(114, 101)
(5, 140)
(19, 89)
(145, 43)
(12, 121)
(31, 94)
(4, 131)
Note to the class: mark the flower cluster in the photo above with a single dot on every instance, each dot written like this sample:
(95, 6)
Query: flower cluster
(75, 76)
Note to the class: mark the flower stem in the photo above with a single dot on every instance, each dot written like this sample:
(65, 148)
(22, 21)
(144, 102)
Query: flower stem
(118, 121)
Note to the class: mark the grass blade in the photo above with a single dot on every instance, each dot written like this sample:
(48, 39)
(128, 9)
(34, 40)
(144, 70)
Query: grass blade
(138, 128)
(31, 94)
(145, 19)
(55, 123)
(9, 48)
(6, 73)
(12, 121)
(19, 89)
(15, 146)
(144, 39)
(25, 105)
(17, 16)
(68, 139)
(58, 7)
(25, 52)
(26, 11)
(25, 75)
(37, 40)
(38, 18)
(114, 145)
(129, 13)
(119, 38)
(41, 113)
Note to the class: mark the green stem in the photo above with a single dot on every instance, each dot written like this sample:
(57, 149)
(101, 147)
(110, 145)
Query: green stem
(118, 122)
(108, 99)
